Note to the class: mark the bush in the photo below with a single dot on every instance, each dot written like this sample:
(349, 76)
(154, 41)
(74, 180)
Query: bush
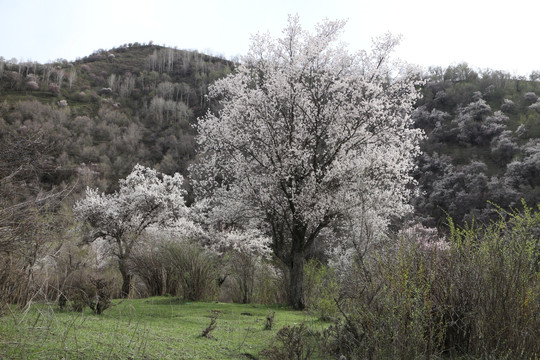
(391, 315)
(251, 278)
(54, 88)
(477, 294)
(322, 290)
(13, 287)
(292, 343)
(32, 85)
(492, 295)
(244, 268)
(90, 290)
(272, 284)
(194, 268)
(158, 277)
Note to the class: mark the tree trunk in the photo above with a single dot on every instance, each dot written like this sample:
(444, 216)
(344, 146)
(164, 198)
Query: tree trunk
(296, 284)
(126, 277)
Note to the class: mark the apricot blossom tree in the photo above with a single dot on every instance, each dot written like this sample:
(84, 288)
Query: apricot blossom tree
(304, 135)
(145, 198)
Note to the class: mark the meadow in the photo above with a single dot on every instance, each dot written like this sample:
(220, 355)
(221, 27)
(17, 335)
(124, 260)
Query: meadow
(151, 328)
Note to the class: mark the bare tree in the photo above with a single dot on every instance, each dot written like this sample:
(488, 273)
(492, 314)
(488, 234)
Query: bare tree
(24, 230)
(59, 77)
(72, 76)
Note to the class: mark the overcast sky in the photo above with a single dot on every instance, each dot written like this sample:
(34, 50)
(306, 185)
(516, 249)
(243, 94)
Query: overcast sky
(500, 35)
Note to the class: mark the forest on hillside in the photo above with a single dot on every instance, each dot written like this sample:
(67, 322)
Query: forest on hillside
(105, 113)
(127, 133)
(482, 142)
(110, 110)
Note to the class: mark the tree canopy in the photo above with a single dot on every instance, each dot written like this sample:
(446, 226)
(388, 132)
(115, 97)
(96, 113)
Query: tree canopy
(145, 198)
(306, 135)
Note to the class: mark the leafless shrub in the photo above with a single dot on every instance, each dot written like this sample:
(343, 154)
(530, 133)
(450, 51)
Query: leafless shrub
(194, 268)
(207, 332)
(89, 289)
(292, 343)
(474, 294)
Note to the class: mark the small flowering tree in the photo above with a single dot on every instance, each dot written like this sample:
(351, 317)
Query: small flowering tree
(246, 249)
(54, 88)
(146, 198)
(32, 85)
(305, 135)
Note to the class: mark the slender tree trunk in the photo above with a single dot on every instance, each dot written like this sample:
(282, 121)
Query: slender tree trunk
(296, 284)
(126, 277)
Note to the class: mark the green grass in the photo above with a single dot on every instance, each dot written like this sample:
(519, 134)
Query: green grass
(153, 328)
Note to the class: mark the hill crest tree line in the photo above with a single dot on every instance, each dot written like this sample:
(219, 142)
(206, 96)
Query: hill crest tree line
(259, 181)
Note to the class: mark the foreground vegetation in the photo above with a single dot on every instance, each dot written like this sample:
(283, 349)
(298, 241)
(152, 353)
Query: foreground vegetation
(152, 328)
(474, 294)
(320, 217)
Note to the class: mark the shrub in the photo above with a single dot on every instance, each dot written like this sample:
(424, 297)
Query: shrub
(13, 289)
(252, 278)
(158, 277)
(391, 315)
(270, 283)
(99, 299)
(54, 88)
(477, 294)
(530, 97)
(322, 290)
(243, 268)
(92, 290)
(492, 296)
(32, 85)
(292, 343)
(148, 268)
(194, 268)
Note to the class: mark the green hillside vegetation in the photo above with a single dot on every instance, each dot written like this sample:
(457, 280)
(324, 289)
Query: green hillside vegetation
(458, 279)
(112, 109)
(482, 143)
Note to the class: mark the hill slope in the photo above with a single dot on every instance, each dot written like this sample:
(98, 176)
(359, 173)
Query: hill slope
(482, 144)
(113, 108)
(102, 114)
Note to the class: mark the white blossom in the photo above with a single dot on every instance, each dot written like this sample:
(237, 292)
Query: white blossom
(145, 199)
(249, 242)
(307, 134)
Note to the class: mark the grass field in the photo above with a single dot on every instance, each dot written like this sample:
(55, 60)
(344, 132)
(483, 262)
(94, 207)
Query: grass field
(152, 328)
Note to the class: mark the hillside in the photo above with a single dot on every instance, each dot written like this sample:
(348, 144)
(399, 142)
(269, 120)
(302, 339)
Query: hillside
(482, 144)
(102, 114)
(112, 109)
(306, 232)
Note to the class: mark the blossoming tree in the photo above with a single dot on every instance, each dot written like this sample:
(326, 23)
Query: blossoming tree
(145, 198)
(304, 135)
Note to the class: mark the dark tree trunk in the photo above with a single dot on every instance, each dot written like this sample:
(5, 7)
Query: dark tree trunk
(296, 284)
(126, 277)
(296, 265)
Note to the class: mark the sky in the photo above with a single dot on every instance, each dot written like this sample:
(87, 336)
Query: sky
(486, 34)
